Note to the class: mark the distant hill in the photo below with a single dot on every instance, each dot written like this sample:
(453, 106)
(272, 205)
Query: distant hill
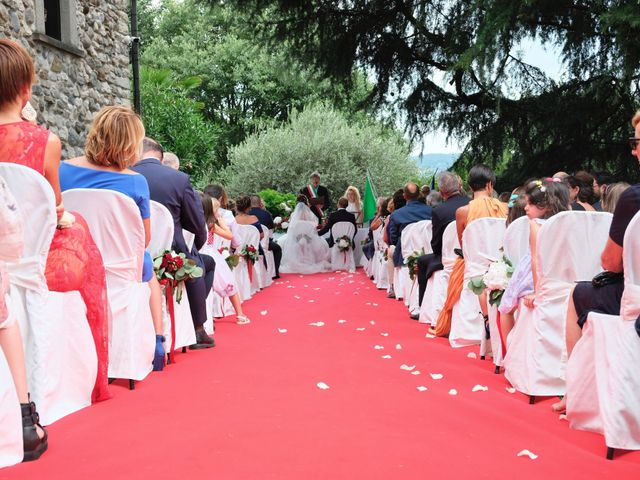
(433, 161)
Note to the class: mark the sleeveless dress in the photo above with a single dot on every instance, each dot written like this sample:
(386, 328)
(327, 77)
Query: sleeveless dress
(479, 208)
(134, 186)
(74, 261)
(224, 281)
(11, 245)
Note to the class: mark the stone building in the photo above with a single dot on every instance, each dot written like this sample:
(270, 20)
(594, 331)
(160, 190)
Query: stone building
(81, 53)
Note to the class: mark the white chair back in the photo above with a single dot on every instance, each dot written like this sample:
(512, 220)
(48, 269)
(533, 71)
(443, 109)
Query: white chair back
(416, 237)
(450, 242)
(516, 239)
(342, 260)
(341, 229)
(630, 303)
(161, 229)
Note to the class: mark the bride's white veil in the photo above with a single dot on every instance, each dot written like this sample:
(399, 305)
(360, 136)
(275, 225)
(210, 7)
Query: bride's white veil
(304, 251)
(302, 212)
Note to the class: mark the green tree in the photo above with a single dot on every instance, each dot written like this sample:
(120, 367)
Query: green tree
(456, 65)
(173, 118)
(320, 138)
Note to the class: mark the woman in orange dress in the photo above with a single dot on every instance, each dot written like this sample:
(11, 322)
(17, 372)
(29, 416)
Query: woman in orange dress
(481, 180)
(74, 261)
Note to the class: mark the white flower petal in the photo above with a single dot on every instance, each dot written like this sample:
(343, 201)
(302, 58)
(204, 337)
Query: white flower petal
(372, 322)
(342, 321)
(511, 390)
(471, 355)
(527, 453)
(562, 416)
(421, 388)
(317, 324)
(311, 301)
(436, 376)
(374, 304)
(384, 334)
(296, 297)
(479, 388)
(408, 368)
(428, 335)
(282, 330)
(263, 313)
(415, 372)
(378, 347)
(453, 391)
(386, 357)
(322, 386)
(398, 347)
(361, 329)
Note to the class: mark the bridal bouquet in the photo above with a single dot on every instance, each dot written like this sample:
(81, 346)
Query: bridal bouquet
(173, 269)
(495, 280)
(232, 259)
(344, 243)
(412, 263)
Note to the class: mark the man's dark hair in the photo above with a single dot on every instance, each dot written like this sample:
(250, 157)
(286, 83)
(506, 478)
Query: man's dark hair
(479, 176)
(343, 202)
(214, 191)
(604, 178)
(150, 145)
(411, 191)
(398, 199)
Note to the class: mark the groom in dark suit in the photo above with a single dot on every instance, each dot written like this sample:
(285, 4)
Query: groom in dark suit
(317, 195)
(173, 189)
(340, 215)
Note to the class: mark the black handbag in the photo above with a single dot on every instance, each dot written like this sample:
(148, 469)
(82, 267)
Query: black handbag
(607, 278)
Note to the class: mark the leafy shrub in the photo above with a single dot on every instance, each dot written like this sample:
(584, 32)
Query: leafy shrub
(277, 203)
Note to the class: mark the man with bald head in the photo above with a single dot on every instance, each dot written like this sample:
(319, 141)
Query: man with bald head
(413, 211)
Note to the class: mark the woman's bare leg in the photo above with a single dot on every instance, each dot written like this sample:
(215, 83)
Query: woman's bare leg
(573, 334)
(155, 304)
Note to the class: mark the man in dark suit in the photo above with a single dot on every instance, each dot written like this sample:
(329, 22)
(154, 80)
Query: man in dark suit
(340, 215)
(257, 209)
(173, 189)
(443, 215)
(317, 195)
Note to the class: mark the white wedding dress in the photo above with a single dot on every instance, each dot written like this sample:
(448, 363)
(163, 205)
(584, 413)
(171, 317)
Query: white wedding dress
(303, 251)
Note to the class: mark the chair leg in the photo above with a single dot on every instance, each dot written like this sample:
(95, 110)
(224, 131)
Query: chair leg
(111, 380)
(132, 384)
(497, 370)
(610, 452)
(481, 357)
(184, 349)
(168, 359)
(532, 399)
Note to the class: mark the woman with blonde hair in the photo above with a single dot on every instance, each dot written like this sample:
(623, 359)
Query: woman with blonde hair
(355, 203)
(610, 199)
(74, 262)
(113, 145)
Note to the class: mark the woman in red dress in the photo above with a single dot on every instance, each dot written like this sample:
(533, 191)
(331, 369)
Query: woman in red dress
(74, 261)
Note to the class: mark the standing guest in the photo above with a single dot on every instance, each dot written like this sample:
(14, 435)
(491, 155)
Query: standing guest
(112, 146)
(442, 216)
(173, 189)
(414, 211)
(606, 299)
(257, 209)
(317, 195)
(340, 215)
(171, 160)
(74, 261)
(352, 194)
(481, 181)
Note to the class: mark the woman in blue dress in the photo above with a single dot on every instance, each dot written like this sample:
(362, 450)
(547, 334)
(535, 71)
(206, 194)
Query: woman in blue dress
(113, 145)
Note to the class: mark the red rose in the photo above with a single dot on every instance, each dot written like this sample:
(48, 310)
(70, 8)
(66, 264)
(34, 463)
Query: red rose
(179, 263)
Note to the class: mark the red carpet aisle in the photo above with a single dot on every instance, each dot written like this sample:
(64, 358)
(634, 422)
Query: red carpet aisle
(251, 408)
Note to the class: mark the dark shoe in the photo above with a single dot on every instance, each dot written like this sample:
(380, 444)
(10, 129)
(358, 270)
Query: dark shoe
(202, 340)
(414, 316)
(34, 446)
(487, 330)
(391, 294)
(277, 276)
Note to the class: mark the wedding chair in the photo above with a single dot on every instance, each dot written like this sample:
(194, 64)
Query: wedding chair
(11, 451)
(481, 244)
(247, 284)
(516, 240)
(161, 239)
(568, 250)
(217, 306)
(415, 238)
(268, 272)
(380, 272)
(436, 292)
(358, 255)
(115, 224)
(342, 260)
(60, 353)
(602, 372)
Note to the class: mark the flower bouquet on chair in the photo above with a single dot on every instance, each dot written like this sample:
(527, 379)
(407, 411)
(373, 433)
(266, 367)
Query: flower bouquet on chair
(173, 269)
(344, 243)
(251, 256)
(232, 259)
(412, 263)
(495, 280)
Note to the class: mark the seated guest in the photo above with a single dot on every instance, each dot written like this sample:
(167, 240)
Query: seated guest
(34, 437)
(517, 204)
(481, 181)
(243, 217)
(340, 215)
(397, 201)
(612, 196)
(434, 198)
(442, 216)
(112, 146)
(257, 209)
(74, 261)
(606, 299)
(224, 282)
(219, 193)
(601, 181)
(173, 189)
(352, 194)
(581, 191)
(368, 249)
(171, 160)
(414, 211)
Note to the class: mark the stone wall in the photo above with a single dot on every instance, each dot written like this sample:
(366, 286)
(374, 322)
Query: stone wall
(74, 83)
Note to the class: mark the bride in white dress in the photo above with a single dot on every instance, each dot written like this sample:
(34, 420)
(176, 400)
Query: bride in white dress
(303, 251)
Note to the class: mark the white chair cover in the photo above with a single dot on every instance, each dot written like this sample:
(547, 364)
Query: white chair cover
(161, 239)
(60, 353)
(417, 239)
(481, 244)
(602, 372)
(380, 272)
(116, 227)
(436, 293)
(342, 260)
(568, 250)
(247, 235)
(516, 240)
(11, 451)
(267, 274)
(358, 256)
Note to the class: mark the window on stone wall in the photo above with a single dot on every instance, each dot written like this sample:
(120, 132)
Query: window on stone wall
(57, 25)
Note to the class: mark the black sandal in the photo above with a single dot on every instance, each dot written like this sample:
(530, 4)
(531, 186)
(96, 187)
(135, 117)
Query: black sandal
(34, 446)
